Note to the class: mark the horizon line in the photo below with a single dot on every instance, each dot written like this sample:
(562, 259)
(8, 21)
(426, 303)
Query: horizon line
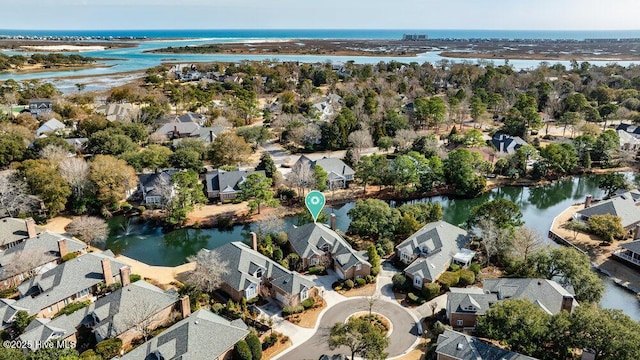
(320, 29)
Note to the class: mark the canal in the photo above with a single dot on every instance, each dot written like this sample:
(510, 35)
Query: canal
(539, 205)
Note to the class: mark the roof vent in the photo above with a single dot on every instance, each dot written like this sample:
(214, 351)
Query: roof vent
(460, 346)
(196, 322)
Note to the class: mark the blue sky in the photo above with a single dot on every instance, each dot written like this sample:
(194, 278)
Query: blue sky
(321, 14)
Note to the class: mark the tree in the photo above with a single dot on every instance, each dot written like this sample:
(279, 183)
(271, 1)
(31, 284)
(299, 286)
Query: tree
(255, 346)
(107, 349)
(228, 149)
(373, 218)
(460, 171)
(12, 354)
(89, 229)
(112, 178)
(12, 148)
(188, 194)
(26, 262)
(374, 259)
(502, 212)
(48, 352)
(560, 158)
(612, 182)
(321, 178)
(186, 159)
(608, 227)
(14, 197)
(301, 177)
(22, 320)
(403, 172)
(255, 135)
(257, 189)
(360, 140)
(372, 169)
(361, 337)
(569, 118)
(527, 241)
(241, 351)
(266, 163)
(209, 270)
(110, 142)
(504, 321)
(141, 317)
(495, 239)
(45, 182)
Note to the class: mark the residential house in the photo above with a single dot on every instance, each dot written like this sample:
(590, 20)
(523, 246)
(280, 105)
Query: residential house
(191, 117)
(252, 274)
(122, 314)
(328, 106)
(625, 205)
(339, 173)
(632, 130)
(453, 345)
(507, 144)
(35, 255)
(75, 280)
(431, 250)
(179, 130)
(156, 188)
(225, 185)
(119, 112)
(630, 252)
(628, 141)
(317, 244)
(203, 335)
(40, 106)
(14, 231)
(77, 143)
(50, 126)
(464, 305)
(8, 310)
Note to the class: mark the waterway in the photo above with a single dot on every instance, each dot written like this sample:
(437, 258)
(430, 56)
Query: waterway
(539, 206)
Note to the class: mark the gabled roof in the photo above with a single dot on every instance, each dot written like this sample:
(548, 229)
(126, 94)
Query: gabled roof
(335, 166)
(309, 239)
(227, 181)
(65, 280)
(50, 126)
(40, 331)
(42, 248)
(632, 129)
(435, 244)
(117, 112)
(633, 246)
(506, 143)
(12, 230)
(191, 117)
(457, 345)
(547, 294)
(203, 335)
(188, 128)
(624, 205)
(153, 183)
(8, 309)
(243, 259)
(469, 300)
(122, 309)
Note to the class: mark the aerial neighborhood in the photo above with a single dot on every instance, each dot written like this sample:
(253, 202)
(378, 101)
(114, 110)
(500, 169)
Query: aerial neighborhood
(305, 210)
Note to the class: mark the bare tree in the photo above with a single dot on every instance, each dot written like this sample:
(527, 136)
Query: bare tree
(76, 172)
(141, 317)
(25, 262)
(301, 177)
(210, 268)
(496, 240)
(371, 302)
(14, 196)
(526, 242)
(54, 153)
(360, 140)
(90, 229)
(404, 138)
(269, 224)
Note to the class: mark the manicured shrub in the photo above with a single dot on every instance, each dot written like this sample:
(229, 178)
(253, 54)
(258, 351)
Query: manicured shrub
(399, 281)
(134, 277)
(454, 267)
(475, 267)
(290, 310)
(72, 307)
(449, 279)
(277, 254)
(7, 292)
(269, 341)
(308, 303)
(430, 290)
(361, 282)
(281, 238)
(255, 346)
(467, 277)
(318, 269)
(348, 284)
(412, 297)
(241, 351)
(109, 348)
(370, 279)
(69, 256)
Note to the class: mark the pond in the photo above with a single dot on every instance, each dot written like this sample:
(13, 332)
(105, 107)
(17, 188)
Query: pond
(539, 205)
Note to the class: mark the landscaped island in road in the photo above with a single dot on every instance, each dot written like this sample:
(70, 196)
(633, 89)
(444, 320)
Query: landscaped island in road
(530, 49)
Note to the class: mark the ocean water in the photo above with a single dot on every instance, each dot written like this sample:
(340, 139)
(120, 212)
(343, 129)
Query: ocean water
(335, 33)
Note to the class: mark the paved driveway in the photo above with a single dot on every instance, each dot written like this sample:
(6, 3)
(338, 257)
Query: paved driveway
(402, 338)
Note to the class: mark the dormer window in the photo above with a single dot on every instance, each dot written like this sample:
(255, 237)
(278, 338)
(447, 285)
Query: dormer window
(325, 247)
(470, 308)
(259, 273)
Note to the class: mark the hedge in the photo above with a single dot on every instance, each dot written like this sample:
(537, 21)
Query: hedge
(255, 346)
(449, 279)
(308, 303)
(290, 310)
(318, 269)
(370, 279)
(72, 307)
(467, 277)
(109, 348)
(430, 290)
(361, 282)
(399, 281)
(269, 341)
(348, 284)
(241, 351)
(69, 256)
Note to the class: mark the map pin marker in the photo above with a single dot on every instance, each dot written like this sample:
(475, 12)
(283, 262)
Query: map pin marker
(315, 203)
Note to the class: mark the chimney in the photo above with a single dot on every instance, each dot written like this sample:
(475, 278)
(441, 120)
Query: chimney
(175, 131)
(254, 241)
(332, 222)
(567, 303)
(62, 247)
(211, 136)
(125, 273)
(636, 233)
(106, 271)
(31, 227)
(185, 306)
(587, 201)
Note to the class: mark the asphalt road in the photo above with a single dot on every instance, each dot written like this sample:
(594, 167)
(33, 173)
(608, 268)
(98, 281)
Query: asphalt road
(403, 333)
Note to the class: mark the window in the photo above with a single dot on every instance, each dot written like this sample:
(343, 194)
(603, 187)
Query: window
(417, 281)
(250, 292)
(313, 261)
(358, 267)
(304, 294)
(459, 322)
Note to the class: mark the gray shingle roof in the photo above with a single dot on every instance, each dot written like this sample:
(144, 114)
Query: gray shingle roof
(65, 280)
(633, 246)
(310, 238)
(46, 243)
(43, 330)
(220, 180)
(50, 126)
(12, 229)
(469, 300)
(632, 129)
(506, 143)
(8, 309)
(335, 166)
(242, 260)
(547, 294)
(434, 244)
(460, 346)
(623, 205)
(203, 335)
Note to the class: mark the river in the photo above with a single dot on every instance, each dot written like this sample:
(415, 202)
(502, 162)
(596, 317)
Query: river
(539, 205)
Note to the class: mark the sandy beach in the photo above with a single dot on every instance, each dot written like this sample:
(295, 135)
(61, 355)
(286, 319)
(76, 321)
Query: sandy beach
(66, 48)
